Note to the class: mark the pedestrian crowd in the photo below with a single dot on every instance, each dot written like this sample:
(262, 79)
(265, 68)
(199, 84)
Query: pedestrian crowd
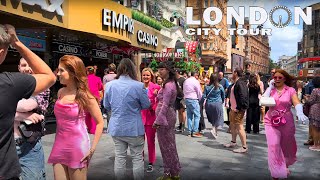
(141, 111)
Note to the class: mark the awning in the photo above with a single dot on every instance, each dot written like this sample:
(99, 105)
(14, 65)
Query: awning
(303, 60)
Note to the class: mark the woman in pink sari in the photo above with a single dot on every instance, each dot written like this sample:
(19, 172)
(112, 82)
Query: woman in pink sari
(149, 115)
(279, 125)
(95, 86)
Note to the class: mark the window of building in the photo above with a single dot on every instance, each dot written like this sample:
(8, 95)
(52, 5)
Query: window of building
(173, 1)
(205, 45)
(311, 37)
(134, 3)
(211, 3)
(119, 1)
(205, 3)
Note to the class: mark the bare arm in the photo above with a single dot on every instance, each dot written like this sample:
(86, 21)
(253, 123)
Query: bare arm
(33, 117)
(43, 74)
(295, 100)
(95, 112)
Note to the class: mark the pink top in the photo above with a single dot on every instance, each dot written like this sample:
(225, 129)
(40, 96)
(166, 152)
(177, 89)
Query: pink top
(72, 141)
(192, 89)
(283, 103)
(148, 115)
(233, 101)
(95, 85)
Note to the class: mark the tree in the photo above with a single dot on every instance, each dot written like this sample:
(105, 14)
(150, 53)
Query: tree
(272, 65)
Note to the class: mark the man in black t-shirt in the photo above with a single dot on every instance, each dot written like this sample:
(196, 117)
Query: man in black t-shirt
(180, 103)
(13, 87)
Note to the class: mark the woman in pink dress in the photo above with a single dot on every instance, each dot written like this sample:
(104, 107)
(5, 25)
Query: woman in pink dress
(149, 115)
(279, 125)
(71, 150)
(95, 87)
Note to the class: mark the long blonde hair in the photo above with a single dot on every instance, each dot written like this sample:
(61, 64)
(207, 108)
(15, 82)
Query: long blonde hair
(151, 72)
(77, 71)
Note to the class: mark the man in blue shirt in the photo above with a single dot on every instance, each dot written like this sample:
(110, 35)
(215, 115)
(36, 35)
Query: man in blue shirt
(223, 81)
(126, 97)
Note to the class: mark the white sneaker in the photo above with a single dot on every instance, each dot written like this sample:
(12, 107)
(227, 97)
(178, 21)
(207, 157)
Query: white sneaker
(214, 134)
(104, 116)
(230, 145)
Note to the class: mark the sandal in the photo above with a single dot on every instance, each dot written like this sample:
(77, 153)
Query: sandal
(314, 148)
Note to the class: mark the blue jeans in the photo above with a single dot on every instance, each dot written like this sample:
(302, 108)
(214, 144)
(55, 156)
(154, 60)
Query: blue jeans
(31, 158)
(193, 113)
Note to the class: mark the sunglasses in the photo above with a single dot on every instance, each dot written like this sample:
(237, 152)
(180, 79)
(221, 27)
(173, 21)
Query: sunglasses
(278, 77)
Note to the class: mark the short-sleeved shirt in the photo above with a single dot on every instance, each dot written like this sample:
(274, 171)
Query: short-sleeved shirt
(283, 103)
(224, 82)
(13, 87)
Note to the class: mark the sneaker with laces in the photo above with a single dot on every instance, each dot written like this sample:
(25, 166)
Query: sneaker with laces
(197, 135)
(150, 168)
(230, 145)
(179, 129)
(214, 134)
(240, 150)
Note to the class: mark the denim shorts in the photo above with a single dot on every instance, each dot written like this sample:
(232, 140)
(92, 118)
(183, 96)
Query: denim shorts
(31, 158)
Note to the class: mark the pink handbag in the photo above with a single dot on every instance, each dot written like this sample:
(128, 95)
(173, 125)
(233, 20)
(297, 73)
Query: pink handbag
(277, 118)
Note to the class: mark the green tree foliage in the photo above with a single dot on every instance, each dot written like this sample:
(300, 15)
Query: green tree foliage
(272, 65)
(145, 19)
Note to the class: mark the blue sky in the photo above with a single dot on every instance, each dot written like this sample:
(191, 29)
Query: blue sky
(283, 40)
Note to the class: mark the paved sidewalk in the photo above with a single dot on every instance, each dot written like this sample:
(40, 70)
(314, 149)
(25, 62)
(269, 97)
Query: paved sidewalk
(206, 158)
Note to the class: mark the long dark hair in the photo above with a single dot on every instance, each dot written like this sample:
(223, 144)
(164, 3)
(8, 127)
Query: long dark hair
(289, 79)
(169, 65)
(253, 81)
(214, 81)
(126, 67)
(77, 70)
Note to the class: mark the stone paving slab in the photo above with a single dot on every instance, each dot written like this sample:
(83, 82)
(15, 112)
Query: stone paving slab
(205, 158)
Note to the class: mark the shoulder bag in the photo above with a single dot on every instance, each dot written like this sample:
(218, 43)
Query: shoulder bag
(205, 99)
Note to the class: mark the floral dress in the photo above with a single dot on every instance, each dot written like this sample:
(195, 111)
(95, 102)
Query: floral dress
(314, 103)
(166, 118)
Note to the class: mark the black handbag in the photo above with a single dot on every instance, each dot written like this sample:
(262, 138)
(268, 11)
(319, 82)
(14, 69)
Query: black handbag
(32, 132)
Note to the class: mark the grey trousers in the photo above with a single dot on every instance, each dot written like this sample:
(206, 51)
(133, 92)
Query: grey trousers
(136, 145)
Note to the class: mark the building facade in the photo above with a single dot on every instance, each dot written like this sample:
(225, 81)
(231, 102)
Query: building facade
(291, 66)
(257, 51)
(98, 35)
(283, 61)
(236, 51)
(309, 58)
(214, 48)
(170, 15)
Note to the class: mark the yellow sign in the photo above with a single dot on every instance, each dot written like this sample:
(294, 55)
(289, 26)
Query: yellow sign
(90, 16)
(146, 37)
(54, 13)
(104, 18)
